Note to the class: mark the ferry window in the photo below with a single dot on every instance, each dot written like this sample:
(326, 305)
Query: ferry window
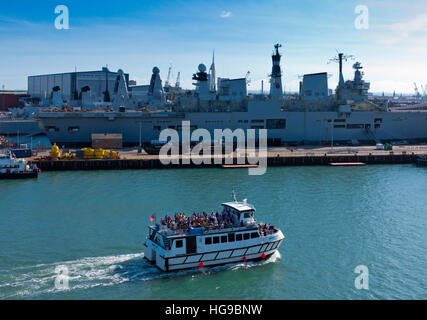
(276, 123)
(215, 240)
(178, 244)
(231, 237)
(223, 239)
(245, 236)
(249, 214)
(208, 240)
(239, 237)
(254, 235)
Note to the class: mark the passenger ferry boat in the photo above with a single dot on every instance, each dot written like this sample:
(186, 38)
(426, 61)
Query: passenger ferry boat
(11, 168)
(173, 245)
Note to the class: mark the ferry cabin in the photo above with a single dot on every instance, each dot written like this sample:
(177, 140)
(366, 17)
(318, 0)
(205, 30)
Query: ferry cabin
(11, 168)
(198, 247)
(11, 165)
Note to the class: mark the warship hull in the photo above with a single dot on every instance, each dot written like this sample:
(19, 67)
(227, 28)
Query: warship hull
(19, 127)
(75, 128)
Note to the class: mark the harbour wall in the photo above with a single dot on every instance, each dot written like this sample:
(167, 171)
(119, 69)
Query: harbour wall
(272, 161)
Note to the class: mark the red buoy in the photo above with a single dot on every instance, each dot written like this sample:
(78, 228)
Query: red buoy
(201, 265)
(263, 256)
(244, 259)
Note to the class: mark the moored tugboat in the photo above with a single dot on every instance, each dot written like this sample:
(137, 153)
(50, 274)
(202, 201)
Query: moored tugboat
(11, 168)
(203, 240)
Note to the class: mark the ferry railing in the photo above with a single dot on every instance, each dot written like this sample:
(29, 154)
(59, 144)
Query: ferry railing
(169, 231)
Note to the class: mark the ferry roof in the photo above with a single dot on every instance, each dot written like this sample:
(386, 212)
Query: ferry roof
(239, 206)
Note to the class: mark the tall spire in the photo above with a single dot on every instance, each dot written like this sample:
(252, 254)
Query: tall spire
(212, 74)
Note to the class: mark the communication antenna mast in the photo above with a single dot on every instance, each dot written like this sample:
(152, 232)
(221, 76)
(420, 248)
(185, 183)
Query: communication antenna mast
(339, 58)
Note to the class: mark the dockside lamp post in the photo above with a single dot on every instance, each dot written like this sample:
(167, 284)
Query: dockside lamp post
(140, 138)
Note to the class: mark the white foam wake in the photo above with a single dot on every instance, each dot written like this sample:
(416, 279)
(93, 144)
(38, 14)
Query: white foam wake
(86, 273)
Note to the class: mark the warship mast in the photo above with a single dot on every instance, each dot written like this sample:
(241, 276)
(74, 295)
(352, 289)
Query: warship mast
(276, 90)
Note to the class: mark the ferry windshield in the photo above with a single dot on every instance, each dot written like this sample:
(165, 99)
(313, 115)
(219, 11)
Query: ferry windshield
(249, 214)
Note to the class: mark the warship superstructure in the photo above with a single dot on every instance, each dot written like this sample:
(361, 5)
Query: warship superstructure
(312, 116)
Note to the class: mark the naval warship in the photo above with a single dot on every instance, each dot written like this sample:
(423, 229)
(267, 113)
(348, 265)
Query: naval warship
(315, 115)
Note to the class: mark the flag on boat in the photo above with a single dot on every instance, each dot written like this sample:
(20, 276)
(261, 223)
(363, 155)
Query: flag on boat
(152, 217)
(233, 194)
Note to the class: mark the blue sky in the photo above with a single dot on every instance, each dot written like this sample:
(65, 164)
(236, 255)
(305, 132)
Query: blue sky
(137, 35)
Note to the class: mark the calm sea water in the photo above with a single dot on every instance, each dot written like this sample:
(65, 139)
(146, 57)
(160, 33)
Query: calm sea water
(334, 219)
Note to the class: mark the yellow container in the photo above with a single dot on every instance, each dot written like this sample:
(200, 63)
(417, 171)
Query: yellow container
(88, 153)
(54, 152)
(99, 153)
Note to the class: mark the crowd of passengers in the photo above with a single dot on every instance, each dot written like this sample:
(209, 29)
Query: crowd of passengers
(218, 220)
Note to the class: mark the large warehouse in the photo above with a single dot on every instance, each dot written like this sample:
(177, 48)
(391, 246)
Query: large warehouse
(71, 84)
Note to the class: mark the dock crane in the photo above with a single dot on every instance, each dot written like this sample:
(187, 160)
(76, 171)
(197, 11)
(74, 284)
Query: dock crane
(417, 92)
(167, 83)
(424, 91)
(178, 83)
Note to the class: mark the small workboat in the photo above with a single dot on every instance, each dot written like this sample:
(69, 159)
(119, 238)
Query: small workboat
(204, 240)
(422, 161)
(12, 168)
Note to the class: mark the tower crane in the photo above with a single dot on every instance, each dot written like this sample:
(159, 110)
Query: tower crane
(178, 82)
(417, 93)
(167, 83)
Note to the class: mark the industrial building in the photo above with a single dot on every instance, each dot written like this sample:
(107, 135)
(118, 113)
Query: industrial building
(71, 84)
(11, 99)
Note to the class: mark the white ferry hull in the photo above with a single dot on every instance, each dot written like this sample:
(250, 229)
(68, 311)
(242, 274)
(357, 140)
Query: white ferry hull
(257, 252)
